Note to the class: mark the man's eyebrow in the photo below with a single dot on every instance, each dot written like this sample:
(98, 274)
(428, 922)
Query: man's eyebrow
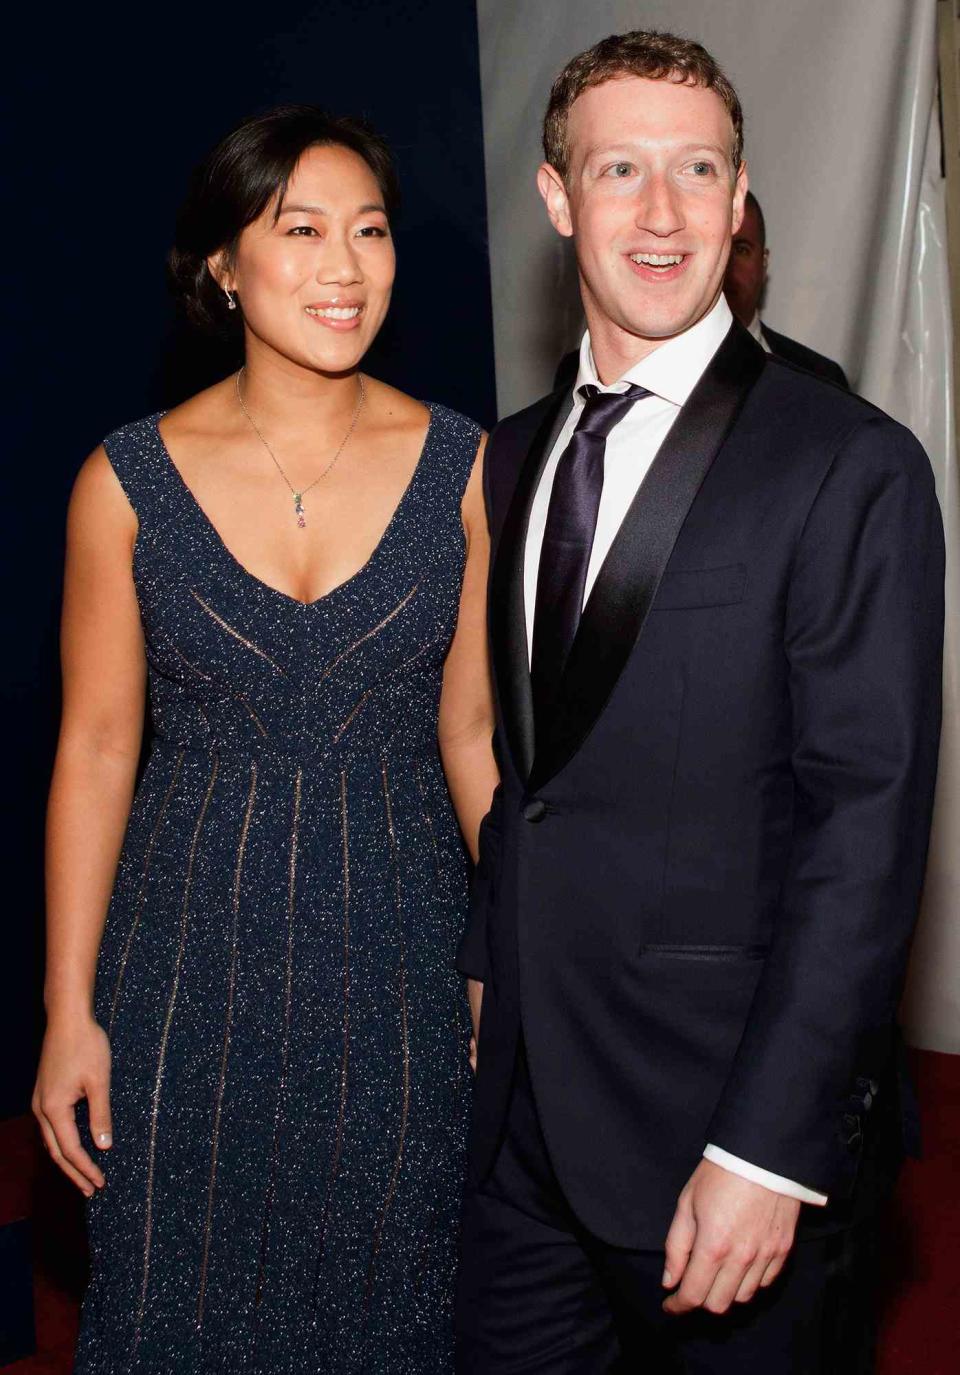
(611, 149)
(298, 209)
(616, 149)
(708, 147)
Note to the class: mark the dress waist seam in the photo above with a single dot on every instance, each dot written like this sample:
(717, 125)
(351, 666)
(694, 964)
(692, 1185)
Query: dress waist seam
(306, 756)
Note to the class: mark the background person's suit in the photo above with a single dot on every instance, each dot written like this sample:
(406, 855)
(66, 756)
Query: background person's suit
(803, 357)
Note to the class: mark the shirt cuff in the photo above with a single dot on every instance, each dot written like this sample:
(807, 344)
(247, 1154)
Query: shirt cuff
(756, 1175)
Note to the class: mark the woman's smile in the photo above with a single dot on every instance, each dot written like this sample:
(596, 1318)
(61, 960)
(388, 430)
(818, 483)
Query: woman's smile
(336, 314)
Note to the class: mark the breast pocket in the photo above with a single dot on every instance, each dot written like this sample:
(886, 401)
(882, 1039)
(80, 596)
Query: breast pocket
(693, 587)
(715, 954)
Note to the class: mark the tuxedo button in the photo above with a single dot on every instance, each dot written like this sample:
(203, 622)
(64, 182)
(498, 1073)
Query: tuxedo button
(534, 810)
(852, 1133)
(866, 1092)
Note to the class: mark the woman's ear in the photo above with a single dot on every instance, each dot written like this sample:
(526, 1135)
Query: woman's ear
(218, 267)
(219, 270)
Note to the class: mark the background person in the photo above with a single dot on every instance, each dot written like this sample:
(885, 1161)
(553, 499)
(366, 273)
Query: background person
(274, 1059)
(745, 285)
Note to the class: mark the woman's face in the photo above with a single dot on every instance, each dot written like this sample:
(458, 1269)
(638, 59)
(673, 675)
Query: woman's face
(314, 282)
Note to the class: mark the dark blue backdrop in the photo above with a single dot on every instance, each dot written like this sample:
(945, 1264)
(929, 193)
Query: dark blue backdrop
(111, 105)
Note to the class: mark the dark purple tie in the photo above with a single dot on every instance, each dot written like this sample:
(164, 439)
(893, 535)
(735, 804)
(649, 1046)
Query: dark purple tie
(568, 541)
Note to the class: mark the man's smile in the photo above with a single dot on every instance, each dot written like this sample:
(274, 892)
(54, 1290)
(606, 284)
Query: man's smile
(658, 267)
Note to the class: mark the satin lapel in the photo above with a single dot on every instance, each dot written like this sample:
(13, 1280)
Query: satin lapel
(508, 629)
(628, 580)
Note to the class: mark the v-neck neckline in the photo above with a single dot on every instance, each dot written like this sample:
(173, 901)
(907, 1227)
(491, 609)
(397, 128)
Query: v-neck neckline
(267, 587)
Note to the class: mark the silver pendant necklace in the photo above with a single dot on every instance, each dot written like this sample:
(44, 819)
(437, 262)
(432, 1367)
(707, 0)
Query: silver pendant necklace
(299, 495)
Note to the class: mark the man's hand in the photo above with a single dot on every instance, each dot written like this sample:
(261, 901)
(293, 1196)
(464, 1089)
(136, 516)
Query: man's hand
(729, 1237)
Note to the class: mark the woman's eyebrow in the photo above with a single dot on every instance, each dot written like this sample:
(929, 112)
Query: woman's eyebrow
(292, 209)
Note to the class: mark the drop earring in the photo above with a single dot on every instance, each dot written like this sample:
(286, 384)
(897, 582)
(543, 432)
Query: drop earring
(231, 302)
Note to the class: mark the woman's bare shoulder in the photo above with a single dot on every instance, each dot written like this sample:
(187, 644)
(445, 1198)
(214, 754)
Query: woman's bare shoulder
(98, 503)
(203, 415)
(393, 408)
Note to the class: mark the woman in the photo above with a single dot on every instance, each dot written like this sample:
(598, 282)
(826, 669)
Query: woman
(274, 1061)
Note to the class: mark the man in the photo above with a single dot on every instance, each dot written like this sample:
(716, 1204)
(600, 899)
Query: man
(699, 876)
(744, 287)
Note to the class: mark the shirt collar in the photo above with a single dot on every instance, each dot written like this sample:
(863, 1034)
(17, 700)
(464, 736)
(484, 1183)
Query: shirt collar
(672, 370)
(755, 327)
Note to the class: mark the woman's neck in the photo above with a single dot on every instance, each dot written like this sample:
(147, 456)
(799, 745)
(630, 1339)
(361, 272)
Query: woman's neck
(285, 396)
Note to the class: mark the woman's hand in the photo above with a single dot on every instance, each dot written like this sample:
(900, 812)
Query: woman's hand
(475, 996)
(74, 1064)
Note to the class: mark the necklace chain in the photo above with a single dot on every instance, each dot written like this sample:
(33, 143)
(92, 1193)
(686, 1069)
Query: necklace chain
(298, 495)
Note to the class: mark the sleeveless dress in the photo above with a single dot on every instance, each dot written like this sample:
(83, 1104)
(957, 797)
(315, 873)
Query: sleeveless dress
(290, 1075)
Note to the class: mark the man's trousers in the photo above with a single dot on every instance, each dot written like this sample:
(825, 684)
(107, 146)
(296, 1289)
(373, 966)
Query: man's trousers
(539, 1294)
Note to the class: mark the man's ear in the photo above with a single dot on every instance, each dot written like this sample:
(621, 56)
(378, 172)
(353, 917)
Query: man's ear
(740, 188)
(554, 193)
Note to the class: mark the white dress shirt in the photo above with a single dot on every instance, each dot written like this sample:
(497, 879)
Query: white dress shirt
(670, 374)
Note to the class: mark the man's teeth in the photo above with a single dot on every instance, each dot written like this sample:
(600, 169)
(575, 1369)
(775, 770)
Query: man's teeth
(657, 259)
(335, 312)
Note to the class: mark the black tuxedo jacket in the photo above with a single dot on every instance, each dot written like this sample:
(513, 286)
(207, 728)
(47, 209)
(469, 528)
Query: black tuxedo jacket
(697, 884)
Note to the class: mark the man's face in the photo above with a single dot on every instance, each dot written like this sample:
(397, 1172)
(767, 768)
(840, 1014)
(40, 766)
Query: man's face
(747, 269)
(651, 198)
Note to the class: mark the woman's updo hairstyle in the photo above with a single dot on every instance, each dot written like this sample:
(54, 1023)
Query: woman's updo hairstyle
(237, 181)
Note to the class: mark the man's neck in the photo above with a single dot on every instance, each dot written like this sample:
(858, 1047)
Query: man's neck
(615, 350)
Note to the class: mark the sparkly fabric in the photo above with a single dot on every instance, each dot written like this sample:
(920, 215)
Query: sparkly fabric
(290, 1040)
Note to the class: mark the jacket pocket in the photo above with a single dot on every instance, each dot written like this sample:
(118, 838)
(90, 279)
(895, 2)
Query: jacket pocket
(716, 953)
(701, 587)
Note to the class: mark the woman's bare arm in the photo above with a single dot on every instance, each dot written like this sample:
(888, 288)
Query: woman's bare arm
(466, 702)
(104, 684)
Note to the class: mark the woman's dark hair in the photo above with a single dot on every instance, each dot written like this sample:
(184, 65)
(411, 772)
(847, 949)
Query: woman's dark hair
(237, 181)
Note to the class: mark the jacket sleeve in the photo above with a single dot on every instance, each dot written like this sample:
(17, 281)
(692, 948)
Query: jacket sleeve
(863, 640)
(472, 953)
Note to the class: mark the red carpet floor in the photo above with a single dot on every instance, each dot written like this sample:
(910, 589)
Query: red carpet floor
(921, 1249)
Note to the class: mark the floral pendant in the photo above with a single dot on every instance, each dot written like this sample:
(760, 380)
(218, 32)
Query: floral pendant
(298, 507)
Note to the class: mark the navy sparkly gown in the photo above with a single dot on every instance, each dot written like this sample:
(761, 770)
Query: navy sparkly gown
(290, 1080)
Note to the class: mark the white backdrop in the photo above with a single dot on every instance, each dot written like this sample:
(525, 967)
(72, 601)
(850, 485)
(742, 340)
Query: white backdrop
(843, 148)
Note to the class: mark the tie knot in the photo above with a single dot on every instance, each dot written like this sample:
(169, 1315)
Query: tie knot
(602, 409)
